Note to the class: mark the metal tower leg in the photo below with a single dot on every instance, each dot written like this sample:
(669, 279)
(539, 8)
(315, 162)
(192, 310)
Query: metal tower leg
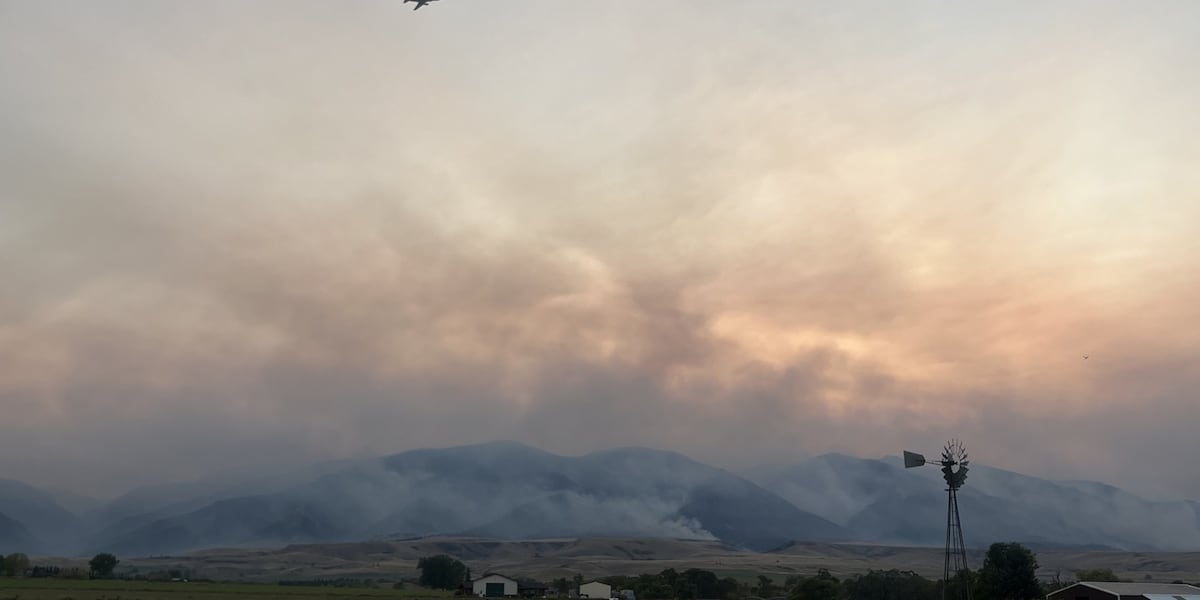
(957, 584)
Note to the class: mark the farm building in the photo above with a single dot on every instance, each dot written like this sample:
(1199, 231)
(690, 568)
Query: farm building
(530, 588)
(595, 589)
(1096, 590)
(494, 585)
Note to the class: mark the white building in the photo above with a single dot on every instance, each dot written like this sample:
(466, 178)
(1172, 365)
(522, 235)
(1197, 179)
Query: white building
(494, 585)
(1097, 590)
(595, 589)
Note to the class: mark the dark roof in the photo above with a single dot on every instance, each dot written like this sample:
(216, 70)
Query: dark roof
(485, 575)
(1136, 589)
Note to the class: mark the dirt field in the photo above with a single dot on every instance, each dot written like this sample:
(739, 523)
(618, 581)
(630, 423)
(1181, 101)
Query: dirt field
(597, 557)
(51, 589)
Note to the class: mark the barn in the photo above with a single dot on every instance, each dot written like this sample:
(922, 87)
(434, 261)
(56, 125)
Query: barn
(1097, 590)
(494, 585)
(595, 589)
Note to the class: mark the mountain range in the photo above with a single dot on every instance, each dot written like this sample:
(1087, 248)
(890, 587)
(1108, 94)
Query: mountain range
(513, 491)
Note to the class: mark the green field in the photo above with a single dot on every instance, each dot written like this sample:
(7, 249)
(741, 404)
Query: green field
(62, 589)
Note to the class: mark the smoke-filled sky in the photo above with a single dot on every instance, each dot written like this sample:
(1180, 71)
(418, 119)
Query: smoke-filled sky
(255, 235)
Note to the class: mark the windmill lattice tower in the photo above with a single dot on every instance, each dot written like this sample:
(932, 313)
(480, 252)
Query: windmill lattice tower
(956, 583)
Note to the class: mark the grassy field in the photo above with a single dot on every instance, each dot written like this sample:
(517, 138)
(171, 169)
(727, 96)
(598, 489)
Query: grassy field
(540, 559)
(59, 589)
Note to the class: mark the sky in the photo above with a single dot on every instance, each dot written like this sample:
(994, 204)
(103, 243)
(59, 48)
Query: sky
(250, 236)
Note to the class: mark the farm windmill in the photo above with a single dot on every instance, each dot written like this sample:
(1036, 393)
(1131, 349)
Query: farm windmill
(954, 463)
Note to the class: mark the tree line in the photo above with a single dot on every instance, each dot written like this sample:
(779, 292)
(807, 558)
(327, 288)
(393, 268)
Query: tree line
(1009, 572)
(17, 564)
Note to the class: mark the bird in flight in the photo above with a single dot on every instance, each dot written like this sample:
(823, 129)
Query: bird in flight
(420, 3)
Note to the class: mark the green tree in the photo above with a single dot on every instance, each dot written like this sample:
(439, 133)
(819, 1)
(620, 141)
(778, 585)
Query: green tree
(2, 571)
(669, 578)
(1009, 573)
(102, 565)
(698, 583)
(890, 585)
(562, 586)
(964, 579)
(1096, 575)
(728, 588)
(791, 582)
(656, 586)
(73, 574)
(766, 587)
(442, 572)
(15, 564)
(822, 587)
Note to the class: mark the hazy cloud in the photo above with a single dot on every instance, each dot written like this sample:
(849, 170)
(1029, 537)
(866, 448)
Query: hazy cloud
(273, 234)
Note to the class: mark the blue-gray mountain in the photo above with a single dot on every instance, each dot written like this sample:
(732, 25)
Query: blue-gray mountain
(35, 517)
(508, 490)
(15, 535)
(502, 490)
(880, 501)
